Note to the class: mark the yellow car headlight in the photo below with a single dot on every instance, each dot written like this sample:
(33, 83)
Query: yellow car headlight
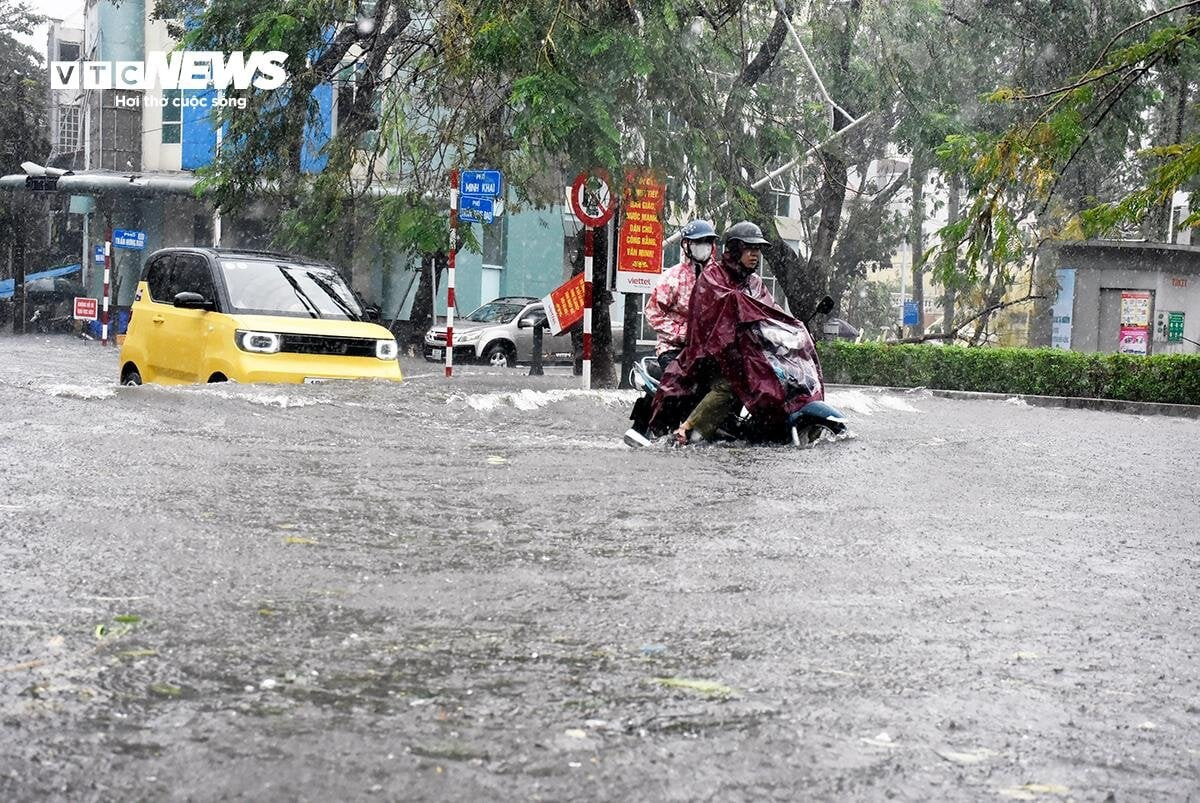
(259, 342)
(385, 349)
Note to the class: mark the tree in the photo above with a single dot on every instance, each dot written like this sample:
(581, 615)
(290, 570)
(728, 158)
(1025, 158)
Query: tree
(22, 99)
(1047, 174)
(22, 136)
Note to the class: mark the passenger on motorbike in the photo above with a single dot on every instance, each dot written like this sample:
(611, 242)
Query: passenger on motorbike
(667, 307)
(743, 350)
(743, 252)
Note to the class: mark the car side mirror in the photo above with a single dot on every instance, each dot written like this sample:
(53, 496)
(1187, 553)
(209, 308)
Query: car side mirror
(188, 300)
(825, 305)
(373, 313)
(527, 322)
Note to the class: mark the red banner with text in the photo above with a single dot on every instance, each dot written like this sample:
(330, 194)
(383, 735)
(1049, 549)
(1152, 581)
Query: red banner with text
(564, 305)
(639, 253)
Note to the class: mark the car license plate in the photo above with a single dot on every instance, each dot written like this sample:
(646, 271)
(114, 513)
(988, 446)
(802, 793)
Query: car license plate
(435, 353)
(316, 380)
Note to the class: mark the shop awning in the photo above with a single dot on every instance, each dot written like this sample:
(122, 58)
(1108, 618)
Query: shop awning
(8, 286)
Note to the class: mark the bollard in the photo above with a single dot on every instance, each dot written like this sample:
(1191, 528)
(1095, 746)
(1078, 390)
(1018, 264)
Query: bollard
(535, 368)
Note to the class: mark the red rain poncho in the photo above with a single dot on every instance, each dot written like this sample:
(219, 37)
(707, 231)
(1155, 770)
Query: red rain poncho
(736, 330)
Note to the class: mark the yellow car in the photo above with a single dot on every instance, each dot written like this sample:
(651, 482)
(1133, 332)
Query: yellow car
(212, 315)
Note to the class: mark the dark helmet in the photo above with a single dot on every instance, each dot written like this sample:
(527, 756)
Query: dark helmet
(699, 230)
(746, 233)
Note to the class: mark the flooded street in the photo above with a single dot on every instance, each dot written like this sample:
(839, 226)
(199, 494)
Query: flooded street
(471, 589)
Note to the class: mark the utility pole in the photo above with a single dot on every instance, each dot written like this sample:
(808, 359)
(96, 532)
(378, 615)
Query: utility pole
(18, 262)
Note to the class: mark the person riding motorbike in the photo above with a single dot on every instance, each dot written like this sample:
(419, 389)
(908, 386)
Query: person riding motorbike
(729, 361)
(667, 307)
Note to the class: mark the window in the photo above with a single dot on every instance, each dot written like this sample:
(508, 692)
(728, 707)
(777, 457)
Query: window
(783, 203)
(172, 116)
(68, 127)
(192, 275)
(68, 51)
(158, 279)
(202, 230)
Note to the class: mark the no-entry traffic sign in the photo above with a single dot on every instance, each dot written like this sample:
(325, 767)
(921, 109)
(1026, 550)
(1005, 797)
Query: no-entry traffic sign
(592, 199)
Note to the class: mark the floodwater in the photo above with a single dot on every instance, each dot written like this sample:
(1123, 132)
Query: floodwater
(471, 589)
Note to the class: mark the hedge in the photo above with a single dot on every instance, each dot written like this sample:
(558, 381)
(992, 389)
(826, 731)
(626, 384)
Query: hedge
(1168, 378)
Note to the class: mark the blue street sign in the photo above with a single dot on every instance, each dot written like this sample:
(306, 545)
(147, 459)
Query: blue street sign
(480, 182)
(476, 209)
(912, 313)
(128, 238)
(98, 255)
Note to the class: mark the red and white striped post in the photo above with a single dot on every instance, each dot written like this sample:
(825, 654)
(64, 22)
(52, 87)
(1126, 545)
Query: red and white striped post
(107, 276)
(588, 251)
(450, 273)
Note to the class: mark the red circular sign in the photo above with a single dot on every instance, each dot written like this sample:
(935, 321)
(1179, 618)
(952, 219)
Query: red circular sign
(592, 199)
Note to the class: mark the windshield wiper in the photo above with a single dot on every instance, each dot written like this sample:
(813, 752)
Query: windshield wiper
(333, 294)
(313, 312)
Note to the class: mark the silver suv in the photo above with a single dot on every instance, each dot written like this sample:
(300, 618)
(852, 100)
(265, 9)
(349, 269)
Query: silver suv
(500, 333)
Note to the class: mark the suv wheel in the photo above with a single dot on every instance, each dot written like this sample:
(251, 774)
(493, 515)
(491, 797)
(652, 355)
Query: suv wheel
(500, 355)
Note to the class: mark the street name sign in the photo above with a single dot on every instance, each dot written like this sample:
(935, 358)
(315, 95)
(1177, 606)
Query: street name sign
(129, 238)
(481, 182)
(476, 209)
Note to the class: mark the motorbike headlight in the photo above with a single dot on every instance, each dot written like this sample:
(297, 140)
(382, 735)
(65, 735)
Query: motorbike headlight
(259, 342)
(385, 349)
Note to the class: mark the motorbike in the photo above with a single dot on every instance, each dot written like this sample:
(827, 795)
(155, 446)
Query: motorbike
(801, 428)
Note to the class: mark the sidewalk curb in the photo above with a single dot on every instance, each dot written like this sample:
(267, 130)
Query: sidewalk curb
(1073, 402)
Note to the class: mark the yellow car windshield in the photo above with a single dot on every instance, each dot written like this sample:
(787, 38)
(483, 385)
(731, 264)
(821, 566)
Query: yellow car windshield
(274, 288)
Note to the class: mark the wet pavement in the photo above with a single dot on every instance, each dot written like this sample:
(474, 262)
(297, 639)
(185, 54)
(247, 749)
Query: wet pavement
(471, 589)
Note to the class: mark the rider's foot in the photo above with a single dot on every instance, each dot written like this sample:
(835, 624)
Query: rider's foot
(684, 435)
(636, 439)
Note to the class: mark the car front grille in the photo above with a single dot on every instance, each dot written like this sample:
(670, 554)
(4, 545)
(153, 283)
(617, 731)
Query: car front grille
(439, 337)
(324, 344)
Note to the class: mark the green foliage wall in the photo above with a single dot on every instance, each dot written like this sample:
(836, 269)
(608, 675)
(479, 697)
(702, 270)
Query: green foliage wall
(1169, 378)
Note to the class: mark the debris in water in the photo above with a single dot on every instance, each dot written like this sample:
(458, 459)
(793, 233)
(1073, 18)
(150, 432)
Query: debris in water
(1031, 791)
(295, 539)
(705, 687)
(880, 739)
(976, 756)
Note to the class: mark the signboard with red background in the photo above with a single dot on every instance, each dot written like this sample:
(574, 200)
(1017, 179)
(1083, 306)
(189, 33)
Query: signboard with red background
(85, 309)
(639, 254)
(1135, 322)
(564, 305)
